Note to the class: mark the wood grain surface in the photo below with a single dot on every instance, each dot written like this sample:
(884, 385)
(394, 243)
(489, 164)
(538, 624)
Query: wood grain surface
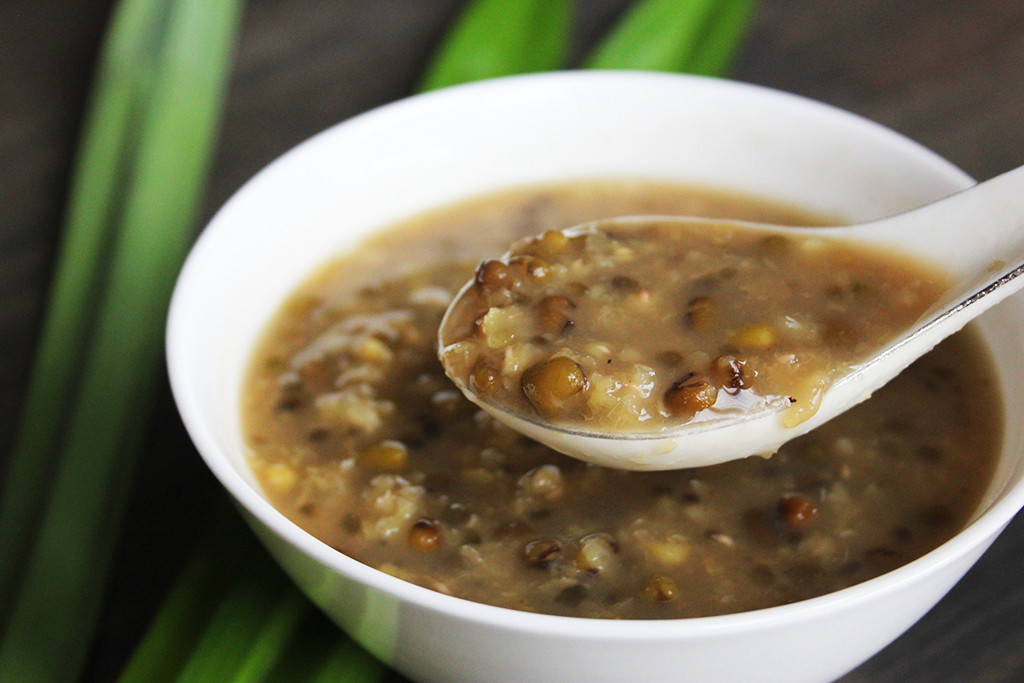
(947, 73)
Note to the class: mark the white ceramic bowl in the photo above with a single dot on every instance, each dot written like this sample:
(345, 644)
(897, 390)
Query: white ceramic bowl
(366, 173)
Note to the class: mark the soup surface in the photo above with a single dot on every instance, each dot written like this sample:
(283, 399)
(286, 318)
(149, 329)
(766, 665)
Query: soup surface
(648, 324)
(357, 435)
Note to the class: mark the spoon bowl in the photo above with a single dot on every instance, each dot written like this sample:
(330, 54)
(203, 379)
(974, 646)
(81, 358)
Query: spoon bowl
(975, 236)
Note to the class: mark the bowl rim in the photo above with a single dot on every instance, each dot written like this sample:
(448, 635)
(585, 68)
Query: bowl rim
(980, 531)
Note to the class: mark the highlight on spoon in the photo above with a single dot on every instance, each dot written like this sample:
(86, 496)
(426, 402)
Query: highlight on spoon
(617, 340)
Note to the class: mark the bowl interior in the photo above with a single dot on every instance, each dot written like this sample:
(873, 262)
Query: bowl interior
(324, 196)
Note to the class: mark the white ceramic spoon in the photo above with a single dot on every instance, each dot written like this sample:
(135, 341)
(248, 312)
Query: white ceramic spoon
(976, 236)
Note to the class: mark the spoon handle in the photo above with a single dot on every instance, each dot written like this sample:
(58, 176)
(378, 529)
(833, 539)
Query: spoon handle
(974, 234)
(977, 236)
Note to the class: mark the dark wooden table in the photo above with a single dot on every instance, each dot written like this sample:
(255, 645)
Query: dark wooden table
(948, 73)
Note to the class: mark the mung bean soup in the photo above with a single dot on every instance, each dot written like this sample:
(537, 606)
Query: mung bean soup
(355, 433)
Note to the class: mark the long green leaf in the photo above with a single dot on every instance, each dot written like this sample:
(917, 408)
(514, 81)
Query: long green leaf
(655, 35)
(233, 616)
(66, 569)
(499, 38)
(318, 648)
(214, 564)
(124, 78)
(236, 624)
(349, 663)
(721, 39)
(273, 639)
(253, 632)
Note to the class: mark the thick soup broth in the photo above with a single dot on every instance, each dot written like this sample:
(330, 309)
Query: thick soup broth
(356, 434)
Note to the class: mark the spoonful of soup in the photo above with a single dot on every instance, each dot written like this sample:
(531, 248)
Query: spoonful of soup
(658, 342)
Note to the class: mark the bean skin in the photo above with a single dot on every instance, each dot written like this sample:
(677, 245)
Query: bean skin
(626, 285)
(485, 377)
(549, 384)
(731, 373)
(689, 396)
(426, 535)
(493, 275)
(702, 314)
(542, 553)
(660, 588)
(797, 511)
(555, 314)
(551, 243)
